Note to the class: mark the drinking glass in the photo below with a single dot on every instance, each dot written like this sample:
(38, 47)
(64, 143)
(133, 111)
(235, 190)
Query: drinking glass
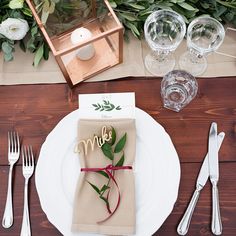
(178, 89)
(164, 30)
(204, 36)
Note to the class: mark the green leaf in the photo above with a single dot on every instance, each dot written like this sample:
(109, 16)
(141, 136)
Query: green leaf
(22, 46)
(46, 52)
(39, 55)
(136, 6)
(113, 136)
(101, 172)
(107, 150)
(104, 188)
(128, 16)
(186, 6)
(120, 145)
(16, 4)
(6, 48)
(113, 4)
(105, 200)
(121, 161)
(94, 187)
(118, 108)
(8, 57)
(133, 28)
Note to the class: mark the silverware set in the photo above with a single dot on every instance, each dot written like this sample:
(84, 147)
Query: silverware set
(27, 171)
(209, 169)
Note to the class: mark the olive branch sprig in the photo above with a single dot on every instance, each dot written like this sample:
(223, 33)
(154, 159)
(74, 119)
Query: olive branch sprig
(110, 150)
(106, 106)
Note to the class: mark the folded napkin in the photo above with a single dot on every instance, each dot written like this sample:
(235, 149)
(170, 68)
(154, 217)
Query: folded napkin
(90, 212)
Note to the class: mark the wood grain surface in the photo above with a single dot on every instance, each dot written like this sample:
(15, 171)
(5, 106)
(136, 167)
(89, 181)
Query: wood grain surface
(34, 110)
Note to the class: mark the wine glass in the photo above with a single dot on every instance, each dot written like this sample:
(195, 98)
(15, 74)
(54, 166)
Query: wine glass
(204, 35)
(164, 30)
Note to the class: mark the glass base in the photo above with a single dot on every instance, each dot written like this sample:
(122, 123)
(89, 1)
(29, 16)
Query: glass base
(192, 64)
(159, 67)
(175, 97)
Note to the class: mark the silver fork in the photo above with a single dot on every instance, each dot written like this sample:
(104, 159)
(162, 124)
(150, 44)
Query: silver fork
(27, 170)
(13, 156)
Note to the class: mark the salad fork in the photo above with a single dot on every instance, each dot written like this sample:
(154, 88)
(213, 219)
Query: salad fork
(27, 170)
(13, 156)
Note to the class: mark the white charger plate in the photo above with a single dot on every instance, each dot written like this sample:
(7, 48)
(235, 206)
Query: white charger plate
(156, 168)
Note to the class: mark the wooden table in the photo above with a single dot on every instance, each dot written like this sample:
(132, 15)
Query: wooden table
(34, 110)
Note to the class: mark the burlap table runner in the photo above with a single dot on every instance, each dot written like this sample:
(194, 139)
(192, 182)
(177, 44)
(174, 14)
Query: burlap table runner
(21, 71)
(89, 209)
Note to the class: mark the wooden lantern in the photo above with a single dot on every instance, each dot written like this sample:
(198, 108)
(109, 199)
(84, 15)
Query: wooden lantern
(85, 37)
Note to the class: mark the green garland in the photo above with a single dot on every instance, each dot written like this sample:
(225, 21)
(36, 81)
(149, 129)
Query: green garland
(132, 13)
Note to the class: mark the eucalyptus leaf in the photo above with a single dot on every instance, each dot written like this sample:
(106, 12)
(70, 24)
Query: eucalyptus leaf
(187, 6)
(6, 48)
(121, 143)
(22, 45)
(8, 57)
(46, 52)
(39, 55)
(136, 6)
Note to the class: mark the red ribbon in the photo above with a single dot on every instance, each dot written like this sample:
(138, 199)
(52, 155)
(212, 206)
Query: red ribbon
(110, 171)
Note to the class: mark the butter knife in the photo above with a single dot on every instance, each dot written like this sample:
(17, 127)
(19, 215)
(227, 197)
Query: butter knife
(216, 225)
(201, 181)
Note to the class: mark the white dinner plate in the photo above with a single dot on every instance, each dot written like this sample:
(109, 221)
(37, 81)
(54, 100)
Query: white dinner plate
(156, 169)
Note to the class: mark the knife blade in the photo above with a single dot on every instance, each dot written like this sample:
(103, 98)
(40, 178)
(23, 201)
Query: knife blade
(216, 224)
(201, 181)
(213, 153)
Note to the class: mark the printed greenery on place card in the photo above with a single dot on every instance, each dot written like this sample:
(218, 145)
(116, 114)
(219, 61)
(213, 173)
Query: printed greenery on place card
(114, 151)
(106, 106)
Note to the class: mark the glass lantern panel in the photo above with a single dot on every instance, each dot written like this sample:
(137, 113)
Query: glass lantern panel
(100, 55)
(62, 16)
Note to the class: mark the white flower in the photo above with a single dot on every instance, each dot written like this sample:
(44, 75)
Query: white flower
(14, 29)
(16, 4)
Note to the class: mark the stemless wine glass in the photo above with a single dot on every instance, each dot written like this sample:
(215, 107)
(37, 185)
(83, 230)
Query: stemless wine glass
(164, 30)
(204, 35)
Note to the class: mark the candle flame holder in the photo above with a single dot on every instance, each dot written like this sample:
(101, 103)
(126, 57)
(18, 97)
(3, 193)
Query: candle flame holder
(58, 21)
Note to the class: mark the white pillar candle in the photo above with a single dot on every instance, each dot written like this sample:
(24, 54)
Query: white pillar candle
(80, 35)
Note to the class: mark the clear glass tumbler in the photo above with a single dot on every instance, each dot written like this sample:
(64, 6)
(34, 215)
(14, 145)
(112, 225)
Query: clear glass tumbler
(178, 88)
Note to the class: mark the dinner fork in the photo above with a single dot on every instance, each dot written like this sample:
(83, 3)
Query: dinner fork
(13, 156)
(27, 170)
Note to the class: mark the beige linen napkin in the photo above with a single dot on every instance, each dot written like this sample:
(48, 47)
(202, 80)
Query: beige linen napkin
(88, 208)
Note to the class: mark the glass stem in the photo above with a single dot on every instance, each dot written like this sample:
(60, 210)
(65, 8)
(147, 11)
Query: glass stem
(194, 56)
(159, 56)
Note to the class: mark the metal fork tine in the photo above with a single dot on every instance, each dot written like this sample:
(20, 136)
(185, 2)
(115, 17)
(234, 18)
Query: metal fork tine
(18, 141)
(13, 142)
(9, 141)
(23, 158)
(32, 156)
(27, 154)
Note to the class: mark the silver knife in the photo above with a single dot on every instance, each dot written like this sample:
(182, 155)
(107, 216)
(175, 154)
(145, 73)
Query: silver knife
(201, 181)
(216, 225)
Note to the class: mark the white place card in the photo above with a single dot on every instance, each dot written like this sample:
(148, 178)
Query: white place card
(107, 105)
